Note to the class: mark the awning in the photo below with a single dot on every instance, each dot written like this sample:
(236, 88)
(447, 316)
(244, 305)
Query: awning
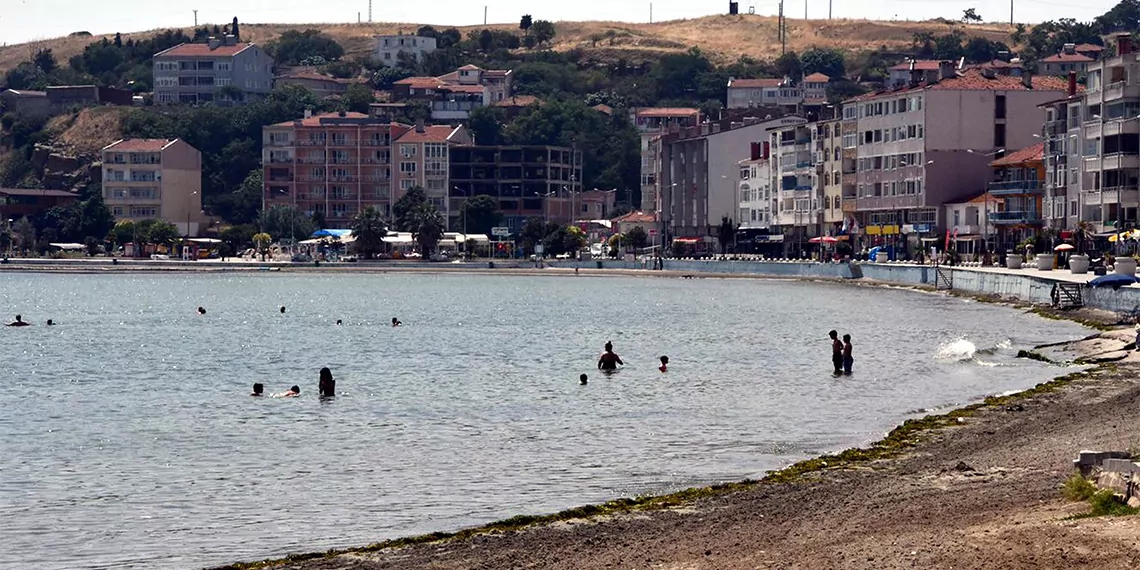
(69, 246)
(398, 239)
(967, 237)
(687, 241)
(332, 233)
(205, 240)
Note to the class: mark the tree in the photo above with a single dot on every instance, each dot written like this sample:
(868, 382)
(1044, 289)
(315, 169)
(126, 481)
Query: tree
(235, 30)
(789, 65)
(293, 47)
(262, 241)
(406, 209)
(970, 15)
(242, 205)
(486, 41)
(484, 124)
(25, 232)
(823, 60)
(725, 234)
(543, 31)
(369, 229)
(358, 98)
(429, 227)
(5, 241)
(479, 214)
(525, 24)
(118, 40)
(533, 233)
(161, 232)
(123, 232)
(637, 238)
(237, 238)
(44, 60)
(282, 222)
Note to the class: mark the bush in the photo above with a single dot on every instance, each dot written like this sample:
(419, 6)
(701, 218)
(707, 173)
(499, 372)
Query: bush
(1077, 488)
(1105, 502)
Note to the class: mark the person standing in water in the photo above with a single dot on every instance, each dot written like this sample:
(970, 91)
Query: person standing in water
(327, 386)
(19, 322)
(847, 360)
(396, 322)
(836, 352)
(583, 379)
(664, 364)
(258, 390)
(609, 361)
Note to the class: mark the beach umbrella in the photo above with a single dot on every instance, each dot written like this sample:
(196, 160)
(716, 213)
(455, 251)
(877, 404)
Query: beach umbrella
(823, 239)
(1113, 280)
(1064, 247)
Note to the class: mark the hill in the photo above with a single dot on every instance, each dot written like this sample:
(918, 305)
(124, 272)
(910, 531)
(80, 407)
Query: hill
(723, 37)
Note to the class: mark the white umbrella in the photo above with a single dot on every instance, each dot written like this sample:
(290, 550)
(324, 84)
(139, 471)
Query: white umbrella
(1064, 247)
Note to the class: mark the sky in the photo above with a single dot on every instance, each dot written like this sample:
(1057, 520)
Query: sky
(28, 20)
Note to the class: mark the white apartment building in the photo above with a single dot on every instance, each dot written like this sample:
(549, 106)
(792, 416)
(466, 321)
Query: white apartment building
(793, 173)
(757, 202)
(652, 123)
(750, 93)
(1110, 142)
(1064, 163)
(389, 48)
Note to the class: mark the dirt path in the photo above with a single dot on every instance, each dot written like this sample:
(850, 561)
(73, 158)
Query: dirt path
(984, 494)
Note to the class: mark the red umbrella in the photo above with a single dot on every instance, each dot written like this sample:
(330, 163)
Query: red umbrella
(824, 239)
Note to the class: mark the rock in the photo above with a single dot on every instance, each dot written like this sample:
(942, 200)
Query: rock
(961, 466)
(1134, 502)
(1116, 482)
(1015, 408)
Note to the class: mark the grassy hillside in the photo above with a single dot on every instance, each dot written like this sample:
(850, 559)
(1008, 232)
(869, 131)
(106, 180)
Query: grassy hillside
(723, 37)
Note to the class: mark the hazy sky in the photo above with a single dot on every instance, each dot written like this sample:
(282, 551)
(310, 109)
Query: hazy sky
(24, 20)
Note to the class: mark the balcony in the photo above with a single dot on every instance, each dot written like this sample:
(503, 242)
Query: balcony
(342, 142)
(312, 160)
(1119, 89)
(375, 142)
(1015, 217)
(311, 178)
(280, 160)
(344, 178)
(803, 164)
(1017, 187)
(311, 142)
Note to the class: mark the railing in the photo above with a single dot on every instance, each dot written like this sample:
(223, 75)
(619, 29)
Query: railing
(311, 178)
(312, 160)
(342, 142)
(285, 160)
(345, 178)
(375, 143)
(803, 164)
(803, 187)
(311, 142)
(1017, 187)
(1015, 217)
(1115, 88)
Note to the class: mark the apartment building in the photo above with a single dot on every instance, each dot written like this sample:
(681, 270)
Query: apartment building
(1063, 136)
(815, 89)
(154, 179)
(699, 177)
(389, 48)
(925, 145)
(319, 84)
(453, 96)
(527, 181)
(757, 201)
(334, 164)
(799, 199)
(16, 203)
(1111, 140)
(827, 141)
(968, 222)
(1019, 182)
(422, 159)
(1067, 60)
(221, 71)
(652, 123)
(781, 94)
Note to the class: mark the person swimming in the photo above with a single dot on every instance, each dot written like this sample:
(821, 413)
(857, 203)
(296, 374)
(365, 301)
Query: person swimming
(282, 310)
(201, 311)
(664, 364)
(50, 323)
(339, 322)
(584, 379)
(290, 393)
(396, 322)
(609, 361)
(327, 386)
(258, 390)
(19, 322)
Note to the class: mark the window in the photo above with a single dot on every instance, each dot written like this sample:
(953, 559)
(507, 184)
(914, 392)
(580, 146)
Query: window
(999, 107)
(144, 212)
(999, 136)
(117, 211)
(406, 184)
(408, 168)
(436, 185)
(435, 150)
(141, 193)
(435, 168)
(116, 193)
(222, 81)
(223, 66)
(407, 150)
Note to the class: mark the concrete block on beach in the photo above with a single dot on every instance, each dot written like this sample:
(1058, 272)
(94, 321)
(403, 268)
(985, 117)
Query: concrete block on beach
(1087, 460)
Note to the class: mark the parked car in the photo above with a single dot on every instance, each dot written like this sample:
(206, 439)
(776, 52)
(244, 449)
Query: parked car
(440, 256)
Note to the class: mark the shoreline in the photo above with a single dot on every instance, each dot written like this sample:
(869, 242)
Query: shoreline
(576, 531)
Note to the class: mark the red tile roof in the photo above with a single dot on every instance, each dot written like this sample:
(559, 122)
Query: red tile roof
(420, 82)
(817, 77)
(1032, 153)
(982, 198)
(636, 217)
(974, 80)
(431, 134)
(1089, 47)
(1069, 58)
(470, 67)
(315, 120)
(996, 64)
(138, 145)
(456, 88)
(668, 112)
(38, 192)
(604, 109)
(920, 65)
(203, 50)
(754, 83)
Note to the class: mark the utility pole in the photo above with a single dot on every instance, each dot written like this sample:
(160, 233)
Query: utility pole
(369, 11)
(805, 9)
(484, 15)
(780, 29)
(1011, 12)
(829, 9)
(195, 18)
(651, 12)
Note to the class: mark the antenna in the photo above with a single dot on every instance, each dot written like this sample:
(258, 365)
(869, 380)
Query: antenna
(195, 18)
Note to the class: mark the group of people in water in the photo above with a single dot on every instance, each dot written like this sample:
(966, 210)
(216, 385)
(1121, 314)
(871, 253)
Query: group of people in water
(326, 387)
(841, 353)
(20, 322)
(609, 360)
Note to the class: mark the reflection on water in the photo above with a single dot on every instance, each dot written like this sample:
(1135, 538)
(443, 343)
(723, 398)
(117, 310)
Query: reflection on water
(131, 440)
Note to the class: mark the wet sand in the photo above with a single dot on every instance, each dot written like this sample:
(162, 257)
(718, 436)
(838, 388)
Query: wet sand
(983, 493)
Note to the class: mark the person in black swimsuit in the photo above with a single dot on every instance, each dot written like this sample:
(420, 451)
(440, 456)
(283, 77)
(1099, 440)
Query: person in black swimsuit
(836, 352)
(609, 361)
(327, 385)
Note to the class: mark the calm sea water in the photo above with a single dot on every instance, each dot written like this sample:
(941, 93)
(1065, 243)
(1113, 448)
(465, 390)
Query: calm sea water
(129, 439)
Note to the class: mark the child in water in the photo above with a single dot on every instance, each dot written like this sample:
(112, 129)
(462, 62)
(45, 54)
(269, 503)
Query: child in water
(847, 360)
(291, 393)
(258, 390)
(664, 364)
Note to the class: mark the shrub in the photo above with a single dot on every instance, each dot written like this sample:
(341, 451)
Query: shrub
(1077, 488)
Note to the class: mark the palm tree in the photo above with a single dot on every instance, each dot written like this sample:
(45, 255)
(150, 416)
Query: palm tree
(429, 226)
(262, 240)
(369, 229)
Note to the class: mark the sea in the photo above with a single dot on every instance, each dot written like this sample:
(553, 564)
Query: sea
(129, 439)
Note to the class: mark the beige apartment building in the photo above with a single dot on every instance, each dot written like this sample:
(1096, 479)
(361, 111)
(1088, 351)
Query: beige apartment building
(829, 165)
(422, 157)
(154, 179)
(652, 123)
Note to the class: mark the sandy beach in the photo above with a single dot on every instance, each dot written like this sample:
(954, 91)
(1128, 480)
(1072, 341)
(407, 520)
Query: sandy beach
(981, 491)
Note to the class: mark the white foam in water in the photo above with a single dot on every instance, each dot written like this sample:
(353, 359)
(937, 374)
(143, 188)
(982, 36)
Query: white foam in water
(960, 349)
